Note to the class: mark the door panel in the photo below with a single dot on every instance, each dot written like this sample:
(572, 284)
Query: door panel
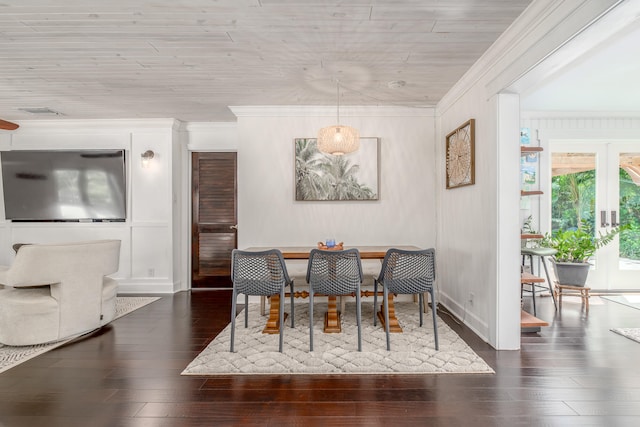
(625, 210)
(214, 212)
(578, 194)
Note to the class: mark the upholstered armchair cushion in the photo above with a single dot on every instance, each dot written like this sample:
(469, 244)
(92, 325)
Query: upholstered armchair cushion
(54, 291)
(28, 316)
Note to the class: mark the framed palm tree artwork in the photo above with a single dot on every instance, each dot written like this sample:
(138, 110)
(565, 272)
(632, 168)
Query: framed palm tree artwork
(322, 177)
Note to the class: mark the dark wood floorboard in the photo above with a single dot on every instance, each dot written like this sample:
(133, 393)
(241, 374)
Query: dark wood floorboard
(575, 372)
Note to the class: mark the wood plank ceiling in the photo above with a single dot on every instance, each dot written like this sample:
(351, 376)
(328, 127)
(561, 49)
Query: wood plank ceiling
(191, 59)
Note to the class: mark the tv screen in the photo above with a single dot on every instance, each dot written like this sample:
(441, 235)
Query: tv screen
(64, 185)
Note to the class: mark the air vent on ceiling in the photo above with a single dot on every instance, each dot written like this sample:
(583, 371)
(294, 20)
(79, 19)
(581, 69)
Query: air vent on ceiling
(40, 110)
(396, 84)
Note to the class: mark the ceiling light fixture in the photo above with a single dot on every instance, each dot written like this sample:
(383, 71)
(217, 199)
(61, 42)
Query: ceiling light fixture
(338, 139)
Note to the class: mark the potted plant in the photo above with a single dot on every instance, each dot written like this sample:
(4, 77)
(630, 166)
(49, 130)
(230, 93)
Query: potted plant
(574, 249)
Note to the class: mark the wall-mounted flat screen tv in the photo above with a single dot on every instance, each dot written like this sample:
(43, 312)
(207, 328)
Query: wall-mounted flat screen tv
(73, 185)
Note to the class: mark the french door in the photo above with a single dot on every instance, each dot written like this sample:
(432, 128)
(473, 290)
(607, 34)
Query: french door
(596, 186)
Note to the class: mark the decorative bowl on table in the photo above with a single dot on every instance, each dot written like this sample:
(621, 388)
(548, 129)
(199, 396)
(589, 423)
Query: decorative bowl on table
(336, 247)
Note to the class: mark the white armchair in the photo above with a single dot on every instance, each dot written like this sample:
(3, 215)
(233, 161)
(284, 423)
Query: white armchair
(55, 291)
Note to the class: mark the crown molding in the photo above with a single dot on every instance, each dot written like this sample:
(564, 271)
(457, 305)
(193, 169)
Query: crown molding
(206, 126)
(602, 115)
(115, 125)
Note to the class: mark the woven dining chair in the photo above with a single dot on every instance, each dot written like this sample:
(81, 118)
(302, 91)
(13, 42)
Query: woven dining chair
(334, 272)
(410, 273)
(261, 273)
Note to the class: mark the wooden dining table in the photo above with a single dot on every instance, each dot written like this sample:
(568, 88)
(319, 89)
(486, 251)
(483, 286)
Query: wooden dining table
(332, 316)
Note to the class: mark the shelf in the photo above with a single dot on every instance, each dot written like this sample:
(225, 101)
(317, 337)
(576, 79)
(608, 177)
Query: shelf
(524, 149)
(530, 321)
(530, 278)
(530, 193)
(531, 236)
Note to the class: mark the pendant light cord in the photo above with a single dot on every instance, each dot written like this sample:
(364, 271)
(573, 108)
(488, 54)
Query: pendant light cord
(338, 104)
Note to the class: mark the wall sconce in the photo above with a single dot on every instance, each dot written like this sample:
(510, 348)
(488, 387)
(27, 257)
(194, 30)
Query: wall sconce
(146, 158)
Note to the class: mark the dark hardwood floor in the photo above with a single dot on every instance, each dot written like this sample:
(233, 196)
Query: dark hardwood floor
(573, 373)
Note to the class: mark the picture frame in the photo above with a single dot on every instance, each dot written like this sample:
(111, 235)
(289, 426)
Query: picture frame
(460, 156)
(324, 177)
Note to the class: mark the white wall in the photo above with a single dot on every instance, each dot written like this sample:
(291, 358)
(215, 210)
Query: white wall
(148, 239)
(473, 219)
(270, 216)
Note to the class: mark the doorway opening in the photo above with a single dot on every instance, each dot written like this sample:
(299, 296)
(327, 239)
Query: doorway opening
(596, 187)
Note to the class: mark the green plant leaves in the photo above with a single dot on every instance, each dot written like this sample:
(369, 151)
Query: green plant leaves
(579, 245)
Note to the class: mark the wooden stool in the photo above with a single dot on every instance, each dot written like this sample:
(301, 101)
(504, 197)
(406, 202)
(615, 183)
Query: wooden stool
(582, 291)
(531, 280)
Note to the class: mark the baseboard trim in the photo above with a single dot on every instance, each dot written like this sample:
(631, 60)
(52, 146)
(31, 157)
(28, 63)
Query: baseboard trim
(147, 288)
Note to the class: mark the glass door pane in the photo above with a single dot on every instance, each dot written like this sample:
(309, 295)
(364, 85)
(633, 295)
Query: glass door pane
(573, 191)
(629, 210)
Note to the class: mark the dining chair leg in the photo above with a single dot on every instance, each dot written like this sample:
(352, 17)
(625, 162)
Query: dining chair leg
(421, 302)
(281, 323)
(292, 304)
(246, 310)
(263, 303)
(310, 318)
(434, 314)
(385, 302)
(375, 301)
(234, 296)
(359, 319)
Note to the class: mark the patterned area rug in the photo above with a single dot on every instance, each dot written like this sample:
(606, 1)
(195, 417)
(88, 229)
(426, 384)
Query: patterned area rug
(411, 351)
(13, 356)
(631, 333)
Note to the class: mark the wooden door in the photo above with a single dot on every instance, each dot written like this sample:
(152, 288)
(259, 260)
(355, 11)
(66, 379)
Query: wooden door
(214, 219)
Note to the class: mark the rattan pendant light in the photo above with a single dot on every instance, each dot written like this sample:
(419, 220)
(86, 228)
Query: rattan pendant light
(338, 139)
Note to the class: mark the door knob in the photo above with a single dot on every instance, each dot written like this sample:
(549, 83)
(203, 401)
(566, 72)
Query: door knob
(614, 219)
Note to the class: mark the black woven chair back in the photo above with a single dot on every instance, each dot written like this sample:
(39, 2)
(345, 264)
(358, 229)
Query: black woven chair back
(258, 273)
(408, 272)
(334, 272)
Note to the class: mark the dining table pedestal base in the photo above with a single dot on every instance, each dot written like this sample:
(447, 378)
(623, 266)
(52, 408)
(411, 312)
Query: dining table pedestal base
(394, 325)
(272, 326)
(332, 324)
